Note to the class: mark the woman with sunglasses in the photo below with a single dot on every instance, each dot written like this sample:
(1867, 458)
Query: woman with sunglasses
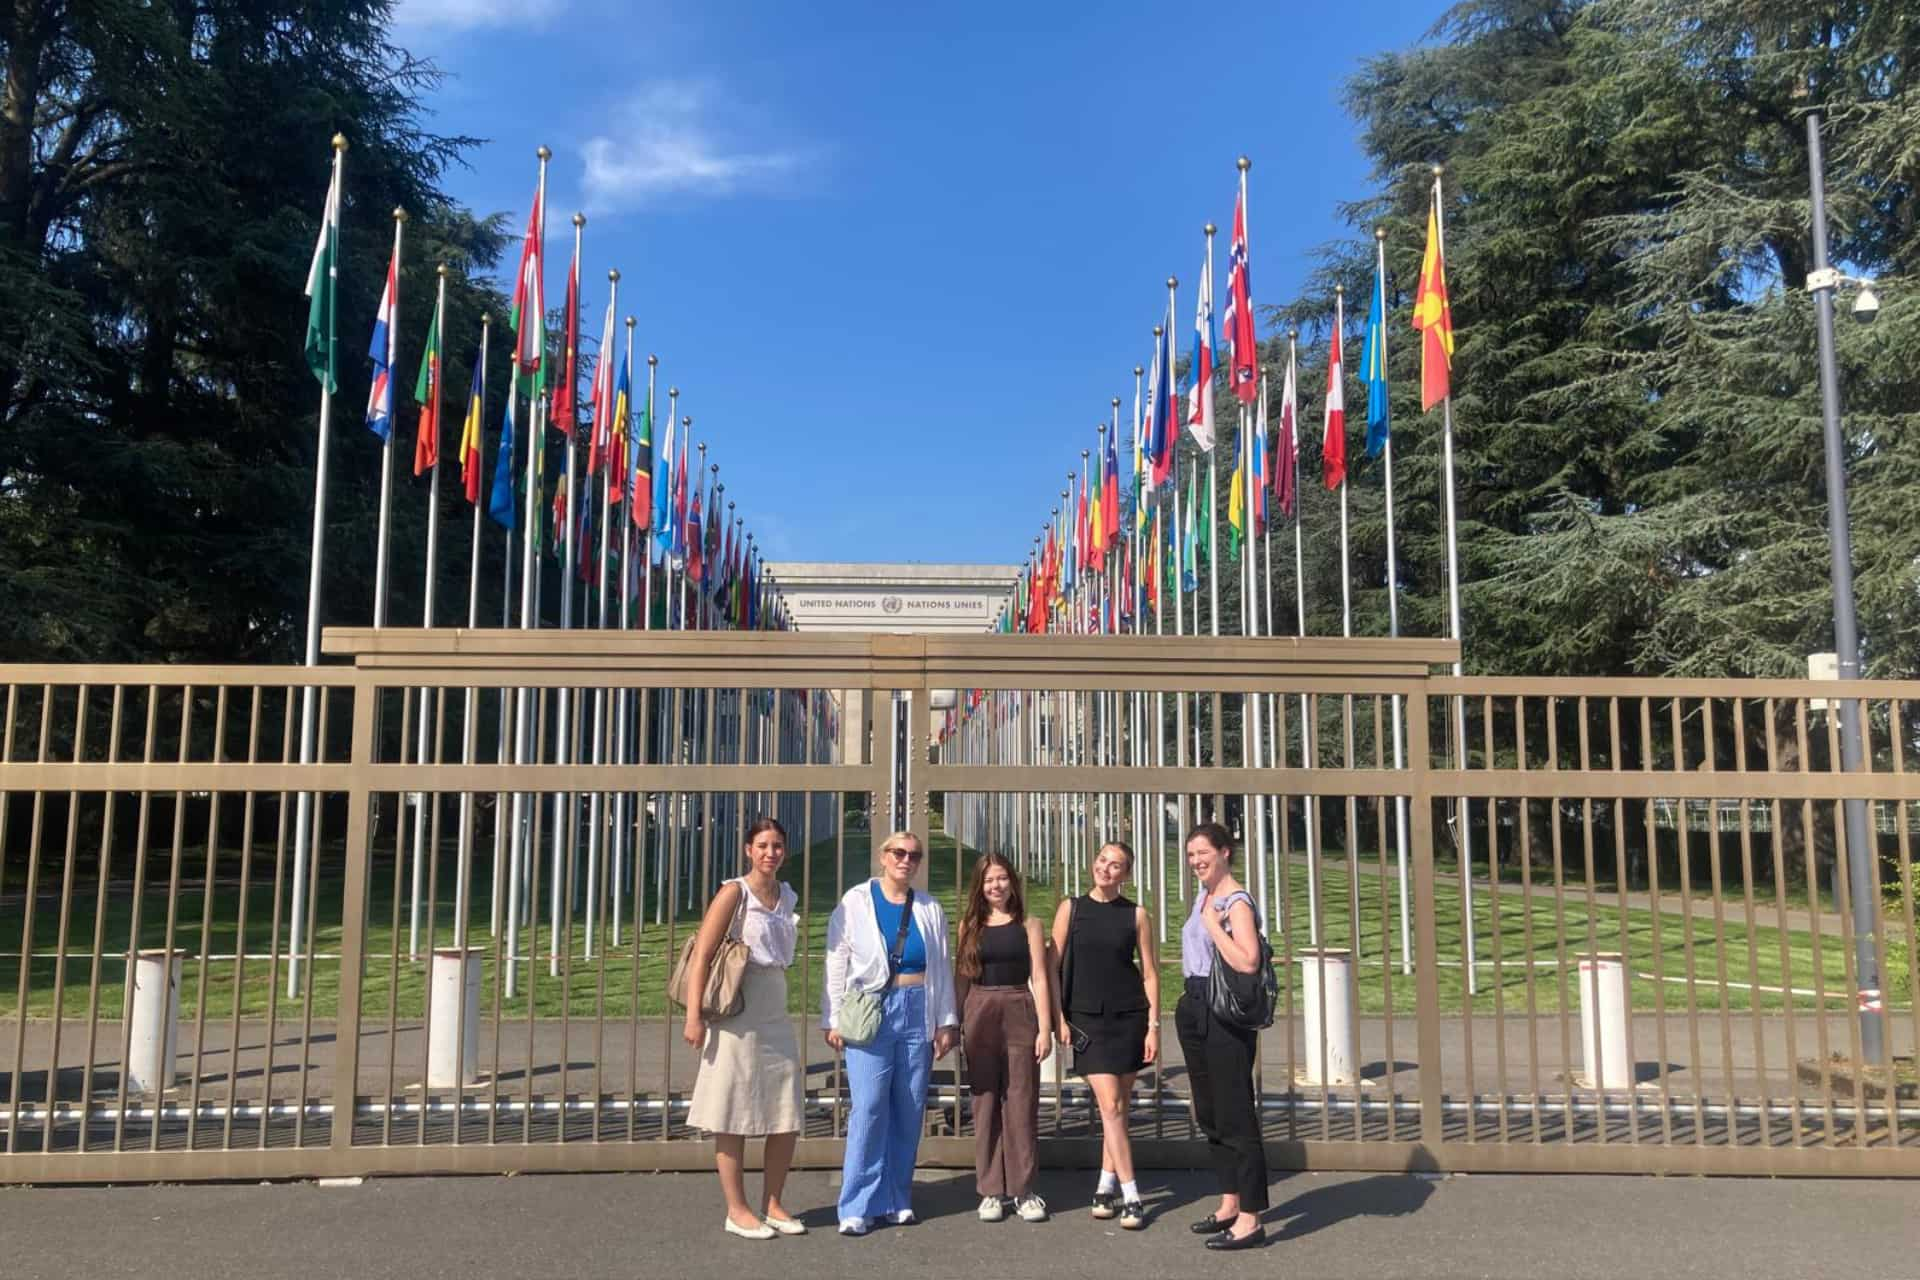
(1110, 1012)
(1001, 951)
(890, 942)
(750, 1074)
(1223, 929)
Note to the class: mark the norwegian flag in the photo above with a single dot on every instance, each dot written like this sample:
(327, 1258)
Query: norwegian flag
(380, 399)
(1243, 360)
(1333, 443)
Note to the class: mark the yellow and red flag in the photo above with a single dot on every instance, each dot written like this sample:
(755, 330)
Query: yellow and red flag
(1432, 316)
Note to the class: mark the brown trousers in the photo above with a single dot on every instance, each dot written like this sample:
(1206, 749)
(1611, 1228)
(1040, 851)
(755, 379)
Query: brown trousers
(1001, 1026)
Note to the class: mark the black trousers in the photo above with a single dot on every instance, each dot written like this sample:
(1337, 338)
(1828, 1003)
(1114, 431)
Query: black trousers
(1220, 1064)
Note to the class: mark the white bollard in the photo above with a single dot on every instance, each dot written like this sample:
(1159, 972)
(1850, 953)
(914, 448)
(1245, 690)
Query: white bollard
(1332, 1024)
(453, 1052)
(1603, 1022)
(153, 1014)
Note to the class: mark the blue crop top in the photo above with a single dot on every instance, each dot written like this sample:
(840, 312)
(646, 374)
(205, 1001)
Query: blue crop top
(913, 958)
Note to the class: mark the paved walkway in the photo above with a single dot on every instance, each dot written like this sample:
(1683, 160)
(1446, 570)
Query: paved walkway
(642, 1225)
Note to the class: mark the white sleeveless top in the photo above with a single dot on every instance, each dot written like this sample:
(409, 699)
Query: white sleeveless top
(769, 934)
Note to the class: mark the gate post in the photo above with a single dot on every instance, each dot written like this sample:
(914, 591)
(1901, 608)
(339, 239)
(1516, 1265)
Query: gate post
(353, 912)
(1425, 934)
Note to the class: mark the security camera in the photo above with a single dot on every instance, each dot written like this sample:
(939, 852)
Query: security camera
(1866, 304)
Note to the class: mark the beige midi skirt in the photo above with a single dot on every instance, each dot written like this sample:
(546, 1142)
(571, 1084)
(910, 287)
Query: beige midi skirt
(750, 1074)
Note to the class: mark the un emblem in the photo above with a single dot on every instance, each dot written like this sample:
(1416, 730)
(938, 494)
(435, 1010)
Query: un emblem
(891, 604)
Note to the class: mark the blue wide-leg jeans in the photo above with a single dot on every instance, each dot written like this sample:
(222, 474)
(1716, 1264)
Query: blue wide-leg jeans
(887, 1078)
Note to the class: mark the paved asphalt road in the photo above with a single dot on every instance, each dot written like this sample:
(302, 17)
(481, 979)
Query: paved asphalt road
(626, 1225)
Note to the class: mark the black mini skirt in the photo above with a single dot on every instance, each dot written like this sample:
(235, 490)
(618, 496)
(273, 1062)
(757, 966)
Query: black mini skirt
(1116, 1043)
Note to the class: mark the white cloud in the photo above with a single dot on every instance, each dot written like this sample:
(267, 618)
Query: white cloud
(469, 15)
(678, 137)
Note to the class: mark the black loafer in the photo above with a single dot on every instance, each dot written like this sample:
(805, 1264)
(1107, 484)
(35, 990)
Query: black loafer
(1210, 1225)
(1225, 1241)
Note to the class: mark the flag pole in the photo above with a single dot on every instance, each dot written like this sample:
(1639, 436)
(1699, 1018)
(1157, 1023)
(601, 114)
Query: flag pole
(424, 739)
(563, 802)
(1310, 804)
(469, 728)
(646, 534)
(1453, 619)
(383, 538)
(529, 604)
(297, 932)
(1205, 395)
(623, 700)
(502, 828)
(598, 803)
(1393, 613)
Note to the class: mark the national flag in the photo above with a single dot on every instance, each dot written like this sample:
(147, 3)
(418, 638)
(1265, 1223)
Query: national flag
(426, 393)
(640, 463)
(1243, 354)
(565, 409)
(1165, 431)
(560, 508)
(588, 564)
(617, 460)
(529, 318)
(1257, 467)
(679, 546)
(380, 397)
(1286, 460)
(1333, 440)
(1200, 364)
(1433, 316)
(471, 464)
(694, 536)
(323, 279)
(600, 439)
(1110, 488)
(1083, 528)
(500, 503)
(1237, 497)
(665, 491)
(710, 562)
(1189, 545)
(1373, 364)
(1096, 517)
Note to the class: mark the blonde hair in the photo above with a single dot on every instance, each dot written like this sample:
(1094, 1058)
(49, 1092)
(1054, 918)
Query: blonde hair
(892, 842)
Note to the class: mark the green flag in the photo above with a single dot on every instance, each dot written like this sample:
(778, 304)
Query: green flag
(322, 277)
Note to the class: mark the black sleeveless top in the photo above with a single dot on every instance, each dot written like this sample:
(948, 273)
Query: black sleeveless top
(1101, 942)
(1005, 957)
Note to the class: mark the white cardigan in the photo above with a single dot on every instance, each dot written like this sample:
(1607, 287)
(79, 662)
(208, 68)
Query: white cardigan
(857, 955)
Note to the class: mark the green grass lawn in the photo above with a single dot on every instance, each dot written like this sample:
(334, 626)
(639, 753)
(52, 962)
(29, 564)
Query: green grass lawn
(633, 978)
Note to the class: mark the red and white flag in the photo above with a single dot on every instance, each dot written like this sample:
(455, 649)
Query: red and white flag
(1333, 445)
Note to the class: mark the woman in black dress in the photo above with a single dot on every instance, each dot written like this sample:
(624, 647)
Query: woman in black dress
(1110, 1012)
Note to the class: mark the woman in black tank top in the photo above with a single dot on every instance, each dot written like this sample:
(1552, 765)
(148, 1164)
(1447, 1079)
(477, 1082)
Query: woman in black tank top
(1110, 1012)
(1002, 951)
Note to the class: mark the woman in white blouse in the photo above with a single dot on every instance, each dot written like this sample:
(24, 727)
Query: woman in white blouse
(750, 1072)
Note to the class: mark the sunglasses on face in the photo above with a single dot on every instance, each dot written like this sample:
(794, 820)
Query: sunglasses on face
(904, 855)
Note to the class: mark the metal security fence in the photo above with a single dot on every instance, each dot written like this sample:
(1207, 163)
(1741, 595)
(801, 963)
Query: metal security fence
(441, 942)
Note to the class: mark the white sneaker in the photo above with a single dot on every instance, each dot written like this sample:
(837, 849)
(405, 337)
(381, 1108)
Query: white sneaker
(902, 1218)
(992, 1209)
(1032, 1209)
(853, 1226)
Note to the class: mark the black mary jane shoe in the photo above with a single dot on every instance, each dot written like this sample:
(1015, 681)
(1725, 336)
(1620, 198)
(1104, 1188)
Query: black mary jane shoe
(1210, 1225)
(1226, 1242)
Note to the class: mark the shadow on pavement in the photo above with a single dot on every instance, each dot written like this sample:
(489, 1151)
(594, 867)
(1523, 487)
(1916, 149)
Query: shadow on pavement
(1387, 1195)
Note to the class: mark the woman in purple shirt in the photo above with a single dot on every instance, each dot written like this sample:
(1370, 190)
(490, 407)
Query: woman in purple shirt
(1223, 928)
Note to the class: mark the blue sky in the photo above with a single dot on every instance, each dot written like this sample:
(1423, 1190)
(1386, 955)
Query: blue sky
(899, 259)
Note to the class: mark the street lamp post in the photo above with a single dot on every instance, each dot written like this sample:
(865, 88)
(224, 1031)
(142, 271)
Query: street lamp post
(1862, 881)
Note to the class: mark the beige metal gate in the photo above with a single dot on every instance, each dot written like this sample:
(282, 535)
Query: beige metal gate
(150, 821)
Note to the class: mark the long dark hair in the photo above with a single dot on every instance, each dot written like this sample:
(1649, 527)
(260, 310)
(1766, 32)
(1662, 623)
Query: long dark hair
(766, 823)
(974, 921)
